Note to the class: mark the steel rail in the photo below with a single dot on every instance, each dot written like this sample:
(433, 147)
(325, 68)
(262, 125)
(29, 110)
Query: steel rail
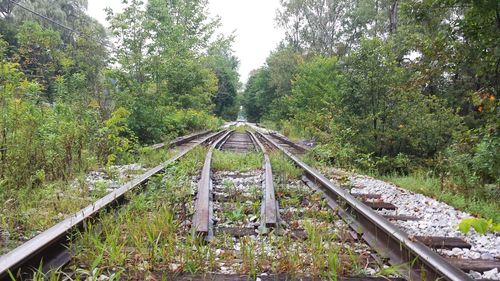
(289, 142)
(254, 142)
(181, 140)
(414, 260)
(50, 246)
(201, 220)
(270, 210)
(223, 140)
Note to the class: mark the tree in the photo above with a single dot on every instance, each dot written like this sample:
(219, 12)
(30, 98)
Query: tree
(163, 61)
(313, 25)
(224, 64)
(40, 55)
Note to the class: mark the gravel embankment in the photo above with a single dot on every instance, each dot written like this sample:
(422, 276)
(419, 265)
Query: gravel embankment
(435, 219)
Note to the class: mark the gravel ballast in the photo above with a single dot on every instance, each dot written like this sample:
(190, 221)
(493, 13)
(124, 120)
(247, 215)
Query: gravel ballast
(435, 219)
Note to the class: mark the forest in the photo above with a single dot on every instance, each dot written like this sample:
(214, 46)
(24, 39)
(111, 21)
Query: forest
(75, 96)
(391, 88)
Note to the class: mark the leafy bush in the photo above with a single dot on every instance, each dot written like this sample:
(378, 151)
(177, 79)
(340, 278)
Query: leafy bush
(39, 141)
(118, 142)
(480, 225)
(474, 159)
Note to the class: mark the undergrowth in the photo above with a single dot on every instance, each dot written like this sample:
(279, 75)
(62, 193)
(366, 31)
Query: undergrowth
(27, 211)
(479, 200)
(148, 233)
(242, 162)
(151, 157)
(283, 167)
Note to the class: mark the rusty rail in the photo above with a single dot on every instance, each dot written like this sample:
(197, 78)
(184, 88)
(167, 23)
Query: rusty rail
(270, 210)
(201, 221)
(50, 246)
(181, 140)
(298, 147)
(414, 260)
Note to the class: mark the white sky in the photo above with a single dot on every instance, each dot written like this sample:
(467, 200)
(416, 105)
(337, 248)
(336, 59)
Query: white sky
(252, 21)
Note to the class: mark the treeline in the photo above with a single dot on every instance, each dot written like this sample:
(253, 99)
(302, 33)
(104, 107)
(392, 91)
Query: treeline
(75, 96)
(389, 86)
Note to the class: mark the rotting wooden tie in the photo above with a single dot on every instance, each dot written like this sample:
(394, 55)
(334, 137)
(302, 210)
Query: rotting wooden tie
(438, 242)
(380, 205)
(401, 218)
(476, 265)
(364, 196)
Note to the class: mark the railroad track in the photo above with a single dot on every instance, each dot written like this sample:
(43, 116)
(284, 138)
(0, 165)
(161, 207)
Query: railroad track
(50, 246)
(263, 210)
(242, 207)
(414, 252)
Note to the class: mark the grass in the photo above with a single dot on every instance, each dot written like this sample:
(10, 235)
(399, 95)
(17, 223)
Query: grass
(287, 128)
(149, 157)
(283, 168)
(240, 129)
(488, 208)
(27, 211)
(241, 162)
(149, 232)
(323, 253)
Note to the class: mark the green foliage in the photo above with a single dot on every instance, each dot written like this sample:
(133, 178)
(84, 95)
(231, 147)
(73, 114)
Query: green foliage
(118, 141)
(480, 225)
(389, 87)
(169, 77)
(265, 95)
(185, 121)
(63, 112)
(224, 64)
(51, 139)
(40, 54)
(473, 159)
(283, 168)
(258, 94)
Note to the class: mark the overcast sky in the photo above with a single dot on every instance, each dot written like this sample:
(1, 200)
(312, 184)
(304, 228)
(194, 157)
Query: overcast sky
(252, 21)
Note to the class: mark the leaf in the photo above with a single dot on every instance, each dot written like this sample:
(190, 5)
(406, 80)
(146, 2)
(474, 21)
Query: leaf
(495, 227)
(465, 225)
(480, 225)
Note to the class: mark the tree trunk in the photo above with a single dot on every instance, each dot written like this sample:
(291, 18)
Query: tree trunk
(393, 16)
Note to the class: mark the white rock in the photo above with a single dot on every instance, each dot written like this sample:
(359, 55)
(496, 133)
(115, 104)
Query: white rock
(490, 274)
(475, 274)
(474, 255)
(370, 271)
(456, 251)
(173, 267)
(436, 218)
(486, 256)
